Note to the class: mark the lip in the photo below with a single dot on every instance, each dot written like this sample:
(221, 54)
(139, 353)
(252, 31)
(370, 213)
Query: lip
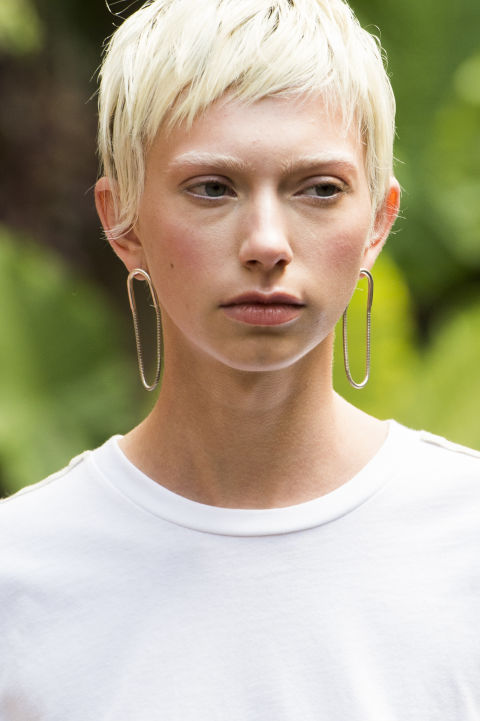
(257, 297)
(265, 309)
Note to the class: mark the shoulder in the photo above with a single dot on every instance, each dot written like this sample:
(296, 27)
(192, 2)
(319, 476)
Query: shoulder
(436, 465)
(431, 492)
(443, 453)
(78, 473)
(33, 511)
(35, 493)
(35, 525)
(51, 528)
(56, 505)
(449, 449)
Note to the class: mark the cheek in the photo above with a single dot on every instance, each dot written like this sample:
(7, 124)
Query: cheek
(182, 258)
(340, 246)
(339, 254)
(348, 249)
(175, 246)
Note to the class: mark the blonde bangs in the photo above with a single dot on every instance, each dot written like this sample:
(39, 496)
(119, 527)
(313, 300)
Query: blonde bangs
(168, 62)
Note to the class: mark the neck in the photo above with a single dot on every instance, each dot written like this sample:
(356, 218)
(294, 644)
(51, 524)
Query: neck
(252, 440)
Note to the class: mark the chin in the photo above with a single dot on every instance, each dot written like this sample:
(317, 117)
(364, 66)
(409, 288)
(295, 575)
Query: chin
(265, 360)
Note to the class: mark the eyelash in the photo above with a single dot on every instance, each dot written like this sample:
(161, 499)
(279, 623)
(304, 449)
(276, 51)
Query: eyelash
(210, 181)
(336, 186)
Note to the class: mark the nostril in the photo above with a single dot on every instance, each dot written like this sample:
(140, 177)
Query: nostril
(271, 264)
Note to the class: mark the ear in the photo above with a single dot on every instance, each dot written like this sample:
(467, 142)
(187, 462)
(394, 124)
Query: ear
(384, 219)
(128, 247)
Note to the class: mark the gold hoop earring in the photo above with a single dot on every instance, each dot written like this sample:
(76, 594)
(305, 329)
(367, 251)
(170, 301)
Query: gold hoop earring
(363, 383)
(131, 297)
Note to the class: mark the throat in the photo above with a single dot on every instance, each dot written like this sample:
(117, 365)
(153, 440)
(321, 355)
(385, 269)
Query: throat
(267, 461)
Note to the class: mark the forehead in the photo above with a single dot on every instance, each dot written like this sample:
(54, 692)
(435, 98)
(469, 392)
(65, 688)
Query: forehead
(279, 129)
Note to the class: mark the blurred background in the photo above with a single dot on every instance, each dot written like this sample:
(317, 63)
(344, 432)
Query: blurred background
(68, 376)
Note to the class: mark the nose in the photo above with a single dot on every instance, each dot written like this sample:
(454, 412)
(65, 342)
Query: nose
(265, 244)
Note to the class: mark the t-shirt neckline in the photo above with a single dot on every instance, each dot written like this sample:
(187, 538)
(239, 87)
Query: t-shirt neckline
(116, 469)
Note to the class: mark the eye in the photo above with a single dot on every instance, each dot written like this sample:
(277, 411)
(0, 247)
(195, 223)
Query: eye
(210, 189)
(322, 190)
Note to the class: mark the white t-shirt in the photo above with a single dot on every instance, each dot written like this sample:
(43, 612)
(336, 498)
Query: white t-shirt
(122, 601)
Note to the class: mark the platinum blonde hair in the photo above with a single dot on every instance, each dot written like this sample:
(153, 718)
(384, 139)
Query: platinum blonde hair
(172, 58)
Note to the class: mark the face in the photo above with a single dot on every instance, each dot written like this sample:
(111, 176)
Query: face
(254, 225)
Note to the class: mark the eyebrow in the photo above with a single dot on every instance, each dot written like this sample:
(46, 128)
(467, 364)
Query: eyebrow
(342, 161)
(194, 158)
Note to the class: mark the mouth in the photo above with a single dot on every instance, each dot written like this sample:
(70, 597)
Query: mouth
(263, 308)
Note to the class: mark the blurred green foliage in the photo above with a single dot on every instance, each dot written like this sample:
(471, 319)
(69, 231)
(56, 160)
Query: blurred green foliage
(436, 387)
(432, 50)
(21, 30)
(67, 381)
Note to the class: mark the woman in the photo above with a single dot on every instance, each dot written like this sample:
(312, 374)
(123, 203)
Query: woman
(256, 548)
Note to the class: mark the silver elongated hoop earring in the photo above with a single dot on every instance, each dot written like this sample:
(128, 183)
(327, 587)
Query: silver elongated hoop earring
(131, 297)
(366, 273)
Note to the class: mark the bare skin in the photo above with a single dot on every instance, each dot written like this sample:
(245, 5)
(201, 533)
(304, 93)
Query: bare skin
(247, 416)
(253, 452)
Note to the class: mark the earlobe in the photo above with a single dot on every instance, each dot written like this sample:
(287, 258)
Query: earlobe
(128, 246)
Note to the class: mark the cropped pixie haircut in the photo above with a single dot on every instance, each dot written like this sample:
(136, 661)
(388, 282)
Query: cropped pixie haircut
(172, 58)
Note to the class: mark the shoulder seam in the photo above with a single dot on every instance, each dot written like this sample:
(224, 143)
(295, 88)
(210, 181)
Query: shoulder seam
(46, 481)
(448, 445)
